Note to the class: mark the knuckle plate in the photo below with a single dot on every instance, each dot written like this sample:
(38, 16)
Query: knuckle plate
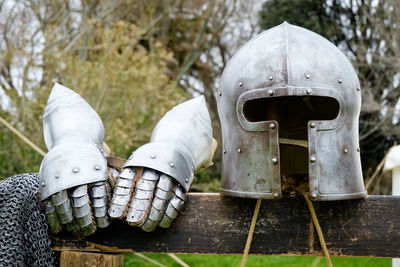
(166, 155)
(66, 167)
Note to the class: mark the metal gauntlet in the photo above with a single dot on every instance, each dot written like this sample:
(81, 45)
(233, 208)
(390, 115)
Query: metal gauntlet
(180, 143)
(73, 133)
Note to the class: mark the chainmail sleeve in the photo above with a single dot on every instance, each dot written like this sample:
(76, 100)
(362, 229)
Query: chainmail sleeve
(24, 240)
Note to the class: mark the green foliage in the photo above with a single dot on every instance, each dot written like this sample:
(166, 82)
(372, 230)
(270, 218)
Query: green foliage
(196, 260)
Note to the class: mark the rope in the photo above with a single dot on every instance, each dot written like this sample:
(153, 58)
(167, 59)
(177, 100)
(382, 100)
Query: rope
(318, 228)
(178, 260)
(23, 137)
(140, 255)
(377, 171)
(251, 232)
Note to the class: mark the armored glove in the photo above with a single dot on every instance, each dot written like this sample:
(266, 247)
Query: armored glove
(73, 174)
(152, 187)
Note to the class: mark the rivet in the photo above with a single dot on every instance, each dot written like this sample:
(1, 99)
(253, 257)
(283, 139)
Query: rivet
(358, 149)
(346, 150)
(219, 93)
(43, 184)
(309, 91)
(187, 180)
(57, 175)
(274, 160)
(153, 156)
(313, 159)
(312, 125)
(97, 167)
(272, 126)
(270, 92)
(308, 76)
(340, 81)
(171, 164)
(270, 77)
(276, 195)
(239, 150)
(241, 84)
(75, 170)
(224, 151)
(358, 88)
(314, 195)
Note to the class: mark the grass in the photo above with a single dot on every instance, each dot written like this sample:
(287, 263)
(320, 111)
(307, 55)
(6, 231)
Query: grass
(253, 261)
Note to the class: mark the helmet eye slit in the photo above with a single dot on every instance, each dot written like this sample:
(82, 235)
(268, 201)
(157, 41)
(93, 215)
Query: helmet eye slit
(292, 112)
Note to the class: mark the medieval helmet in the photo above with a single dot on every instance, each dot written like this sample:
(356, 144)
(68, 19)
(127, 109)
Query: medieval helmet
(289, 102)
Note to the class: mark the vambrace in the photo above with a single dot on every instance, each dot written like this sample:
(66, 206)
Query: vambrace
(180, 144)
(73, 134)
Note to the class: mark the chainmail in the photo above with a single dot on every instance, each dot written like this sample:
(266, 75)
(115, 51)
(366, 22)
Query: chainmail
(24, 240)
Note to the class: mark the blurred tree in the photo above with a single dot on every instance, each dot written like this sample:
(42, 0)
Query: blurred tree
(99, 58)
(131, 59)
(368, 33)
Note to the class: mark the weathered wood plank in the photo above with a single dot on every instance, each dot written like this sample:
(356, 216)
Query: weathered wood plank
(84, 259)
(215, 224)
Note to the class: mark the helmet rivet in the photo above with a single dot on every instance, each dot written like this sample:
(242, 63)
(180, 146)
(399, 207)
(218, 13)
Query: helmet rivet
(308, 76)
(240, 84)
(358, 149)
(274, 160)
(219, 93)
(270, 77)
(57, 175)
(186, 180)
(224, 151)
(309, 91)
(97, 167)
(153, 156)
(340, 81)
(270, 92)
(358, 88)
(313, 159)
(314, 195)
(75, 170)
(276, 195)
(312, 125)
(346, 150)
(272, 126)
(239, 150)
(43, 184)
(171, 164)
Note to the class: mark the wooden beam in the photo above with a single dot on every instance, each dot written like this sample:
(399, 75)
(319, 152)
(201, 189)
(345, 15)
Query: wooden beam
(219, 225)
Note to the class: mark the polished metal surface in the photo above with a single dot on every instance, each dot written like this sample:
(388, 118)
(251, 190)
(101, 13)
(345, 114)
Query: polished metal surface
(73, 133)
(282, 62)
(180, 143)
